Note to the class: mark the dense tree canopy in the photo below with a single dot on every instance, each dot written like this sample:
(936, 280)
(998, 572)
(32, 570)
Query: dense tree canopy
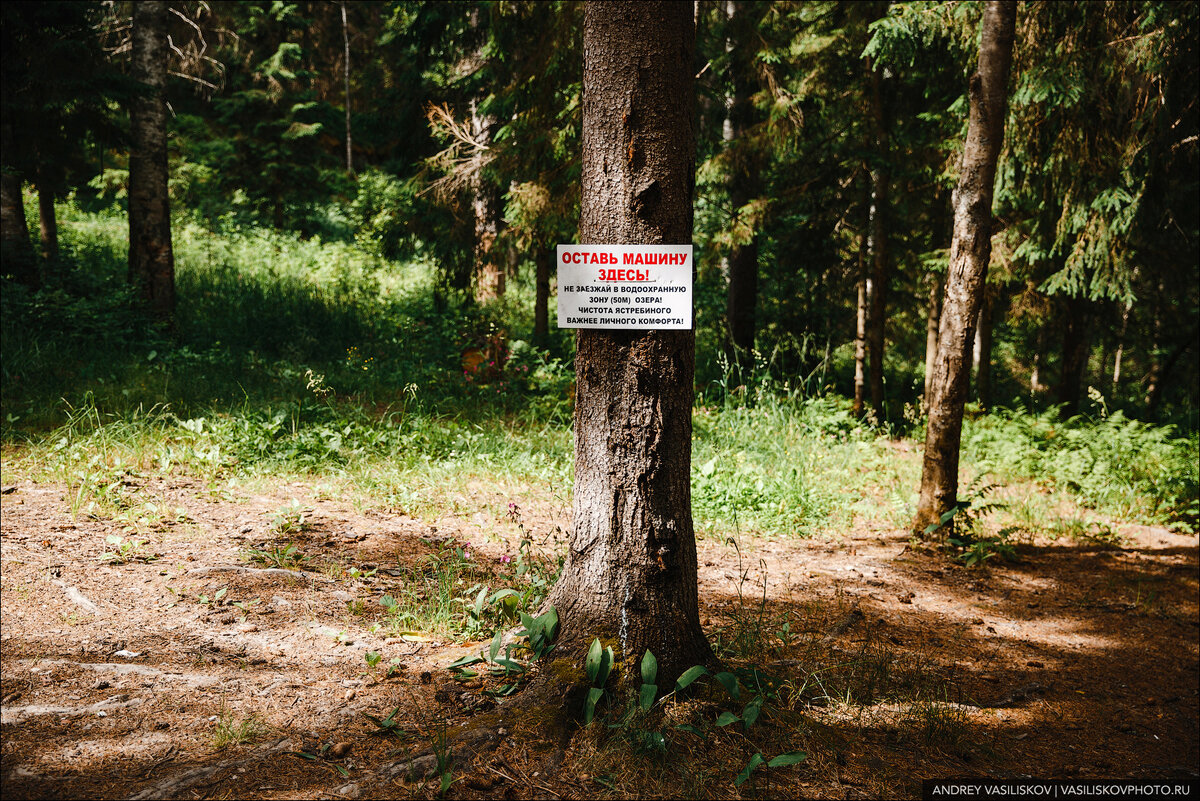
(828, 140)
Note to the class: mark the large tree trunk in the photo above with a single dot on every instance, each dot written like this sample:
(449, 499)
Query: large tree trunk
(932, 315)
(743, 184)
(151, 260)
(970, 253)
(1074, 354)
(879, 244)
(630, 574)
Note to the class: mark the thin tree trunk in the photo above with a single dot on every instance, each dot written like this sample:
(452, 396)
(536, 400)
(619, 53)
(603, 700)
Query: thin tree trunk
(1074, 354)
(880, 255)
(630, 574)
(983, 350)
(486, 206)
(860, 327)
(1036, 387)
(543, 260)
(47, 221)
(1116, 374)
(151, 260)
(1162, 370)
(931, 331)
(970, 253)
(743, 258)
(346, 74)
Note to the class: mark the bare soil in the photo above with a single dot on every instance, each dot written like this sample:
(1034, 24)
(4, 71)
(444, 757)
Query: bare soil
(1079, 660)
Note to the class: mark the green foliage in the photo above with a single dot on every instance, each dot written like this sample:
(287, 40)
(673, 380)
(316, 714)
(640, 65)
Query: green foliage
(287, 557)
(125, 551)
(1113, 464)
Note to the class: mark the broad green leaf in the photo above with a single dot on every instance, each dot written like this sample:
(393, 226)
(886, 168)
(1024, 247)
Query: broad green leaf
(689, 676)
(606, 663)
(750, 712)
(464, 661)
(589, 707)
(511, 665)
(592, 663)
(754, 762)
(726, 718)
(549, 623)
(648, 693)
(494, 650)
(730, 683)
(503, 593)
(790, 758)
(649, 668)
(692, 730)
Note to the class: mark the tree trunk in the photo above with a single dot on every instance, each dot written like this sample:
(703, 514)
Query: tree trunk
(486, 207)
(983, 350)
(47, 221)
(151, 261)
(743, 185)
(1074, 354)
(630, 574)
(860, 327)
(970, 253)
(346, 76)
(543, 260)
(1116, 374)
(931, 332)
(1162, 370)
(880, 256)
(16, 251)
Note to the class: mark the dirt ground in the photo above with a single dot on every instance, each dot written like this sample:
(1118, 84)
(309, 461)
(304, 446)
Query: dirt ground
(1080, 660)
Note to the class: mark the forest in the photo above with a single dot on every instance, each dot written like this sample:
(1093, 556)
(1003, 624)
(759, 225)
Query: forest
(307, 494)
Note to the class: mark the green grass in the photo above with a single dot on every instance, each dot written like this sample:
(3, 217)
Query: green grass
(297, 358)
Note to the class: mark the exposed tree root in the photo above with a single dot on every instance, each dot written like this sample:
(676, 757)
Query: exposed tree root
(544, 712)
(258, 571)
(173, 786)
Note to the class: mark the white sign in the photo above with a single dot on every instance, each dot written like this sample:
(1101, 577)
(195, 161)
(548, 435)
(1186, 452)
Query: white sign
(625, 286)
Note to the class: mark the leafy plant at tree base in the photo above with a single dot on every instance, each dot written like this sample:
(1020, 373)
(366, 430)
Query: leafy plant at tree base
(539, 634)
(597, 665)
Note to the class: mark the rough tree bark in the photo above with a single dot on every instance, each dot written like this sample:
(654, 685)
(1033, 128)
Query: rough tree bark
(970, 253)
(151, 260)
(743, 184)
(630, 574)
